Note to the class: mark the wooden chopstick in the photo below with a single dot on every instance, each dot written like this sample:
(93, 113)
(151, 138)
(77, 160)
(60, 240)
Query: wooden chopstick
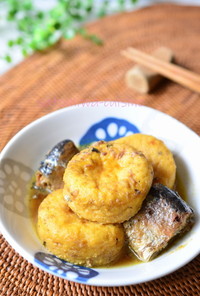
(173, 72)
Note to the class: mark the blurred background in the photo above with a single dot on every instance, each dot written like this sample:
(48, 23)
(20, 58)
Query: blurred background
(15, 40)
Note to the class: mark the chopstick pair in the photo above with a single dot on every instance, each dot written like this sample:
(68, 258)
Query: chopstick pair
(173, 72)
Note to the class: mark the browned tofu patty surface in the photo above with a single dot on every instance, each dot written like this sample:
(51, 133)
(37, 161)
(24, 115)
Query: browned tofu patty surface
(107, 182)
(157, 153)
(76, 240)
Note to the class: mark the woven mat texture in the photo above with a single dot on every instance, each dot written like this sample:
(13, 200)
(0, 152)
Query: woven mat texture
(77, 71)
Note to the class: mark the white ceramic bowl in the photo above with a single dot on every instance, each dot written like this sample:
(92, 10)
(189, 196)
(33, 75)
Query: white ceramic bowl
(85, 123)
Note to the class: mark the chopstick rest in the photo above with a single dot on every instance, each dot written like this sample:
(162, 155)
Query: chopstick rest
(141, 78)
(171, 71)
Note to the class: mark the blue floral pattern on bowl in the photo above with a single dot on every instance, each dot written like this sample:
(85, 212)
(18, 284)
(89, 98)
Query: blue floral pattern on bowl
(63, 268)
(108, 129)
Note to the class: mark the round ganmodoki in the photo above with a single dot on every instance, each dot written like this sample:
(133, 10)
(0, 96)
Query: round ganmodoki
(74, 239)
(157, 153)
(107, 183)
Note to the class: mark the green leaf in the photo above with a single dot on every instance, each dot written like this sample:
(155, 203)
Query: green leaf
(89, 8)
(19, 41)
(27, 5)
(121, 2)
(102, 13)
(57, 11)
(82, 32)
(40, 15)
(57, 25)
(11, 14)
(103, 8)
(8, 58)
(33, 45)
(22, 25)
(11, 43)
(24, 52)
(95, 39)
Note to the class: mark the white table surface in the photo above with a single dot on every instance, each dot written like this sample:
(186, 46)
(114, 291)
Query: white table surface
(8, 30)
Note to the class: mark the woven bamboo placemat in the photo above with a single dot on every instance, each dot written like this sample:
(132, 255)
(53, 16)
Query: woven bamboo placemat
(78, 71)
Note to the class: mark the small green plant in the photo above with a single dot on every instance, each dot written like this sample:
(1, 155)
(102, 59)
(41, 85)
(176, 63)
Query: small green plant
(39, 29)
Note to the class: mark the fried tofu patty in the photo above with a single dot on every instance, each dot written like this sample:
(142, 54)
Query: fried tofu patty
(107, 183)
(157, 153)
(77, 240)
